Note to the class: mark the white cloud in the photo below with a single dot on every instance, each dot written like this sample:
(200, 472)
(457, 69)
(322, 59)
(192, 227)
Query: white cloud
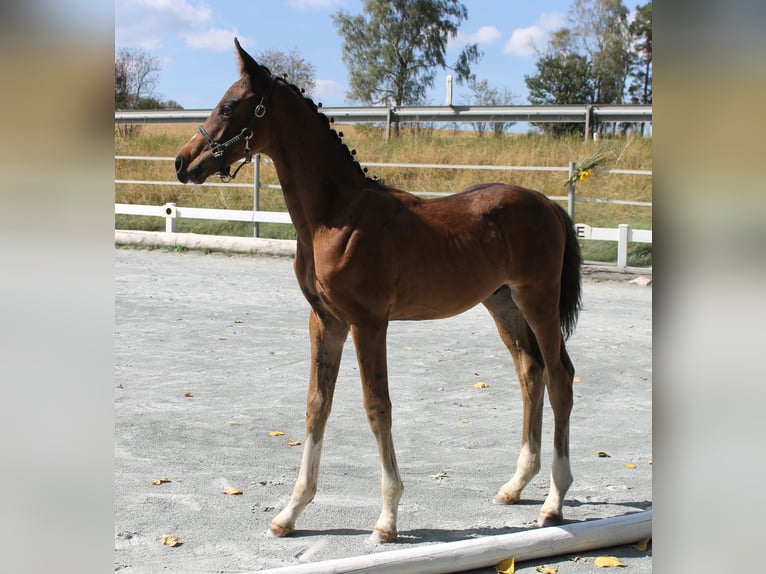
(484, 35)
(552, 21)
(212, 39)
(154, 17)
(328, 91)
(180, 8)
(145, 23)
(525, 41)
(301, 4)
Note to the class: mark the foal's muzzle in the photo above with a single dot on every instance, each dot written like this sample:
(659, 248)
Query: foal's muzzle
(179, 165)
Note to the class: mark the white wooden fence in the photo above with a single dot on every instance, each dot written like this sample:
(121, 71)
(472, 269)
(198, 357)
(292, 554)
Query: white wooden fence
(623, 234)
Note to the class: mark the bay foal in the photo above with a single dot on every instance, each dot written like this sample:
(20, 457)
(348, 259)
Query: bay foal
(368, 254)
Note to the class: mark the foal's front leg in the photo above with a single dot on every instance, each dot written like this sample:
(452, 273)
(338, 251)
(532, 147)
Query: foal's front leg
(327, 339)
(370, 342)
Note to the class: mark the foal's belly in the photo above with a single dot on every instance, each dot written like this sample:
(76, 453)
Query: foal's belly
(445, 296)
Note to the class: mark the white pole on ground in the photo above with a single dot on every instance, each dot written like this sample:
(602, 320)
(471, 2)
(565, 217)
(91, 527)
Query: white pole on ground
(490, 550)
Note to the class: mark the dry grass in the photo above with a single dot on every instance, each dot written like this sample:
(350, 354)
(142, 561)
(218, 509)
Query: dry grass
(427, 146)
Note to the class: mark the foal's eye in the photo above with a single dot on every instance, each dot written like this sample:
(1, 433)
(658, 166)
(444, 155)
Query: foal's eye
(226, 110)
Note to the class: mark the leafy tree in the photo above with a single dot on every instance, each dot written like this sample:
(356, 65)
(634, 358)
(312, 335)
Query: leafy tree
(298, 70)
(599, 29)
(640, 89)
(394, 49)
(563, 77)
(483, 95)
(614, 49)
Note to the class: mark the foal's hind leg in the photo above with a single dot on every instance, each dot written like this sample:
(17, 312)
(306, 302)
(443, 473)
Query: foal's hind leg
(527, 361)
(540, 308)
(327, 338)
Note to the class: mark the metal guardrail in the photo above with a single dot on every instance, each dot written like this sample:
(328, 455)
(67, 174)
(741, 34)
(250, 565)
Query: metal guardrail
(590, 115)
(573, 113)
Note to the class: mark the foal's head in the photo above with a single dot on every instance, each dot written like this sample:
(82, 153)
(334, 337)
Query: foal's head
(236, 128)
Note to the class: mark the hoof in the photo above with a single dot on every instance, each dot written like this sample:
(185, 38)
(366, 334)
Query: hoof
(381, 537)
(278, 531)
(549, 519)
(504, 498)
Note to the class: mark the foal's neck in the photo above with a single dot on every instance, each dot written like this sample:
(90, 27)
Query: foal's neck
(316, 171)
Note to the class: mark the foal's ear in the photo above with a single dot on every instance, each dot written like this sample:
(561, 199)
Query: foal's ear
(247, 66)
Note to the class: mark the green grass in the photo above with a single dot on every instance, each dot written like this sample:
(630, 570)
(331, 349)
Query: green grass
(413, 146)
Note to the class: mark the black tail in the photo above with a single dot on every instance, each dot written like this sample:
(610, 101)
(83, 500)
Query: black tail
(570, 301)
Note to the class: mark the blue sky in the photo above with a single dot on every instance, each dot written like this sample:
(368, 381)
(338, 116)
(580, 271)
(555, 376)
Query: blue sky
(193, 39)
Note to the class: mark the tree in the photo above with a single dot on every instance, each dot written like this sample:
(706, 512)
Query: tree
(135, 76)
(483, 95)
(597, 42)
(299, 71)
(599, 29)
(394, 49)
(563, 77)
(640, 89)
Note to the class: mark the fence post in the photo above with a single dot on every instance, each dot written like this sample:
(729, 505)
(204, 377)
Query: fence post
(623, 231)
(170, 217)
(571, 191)
(256, 191)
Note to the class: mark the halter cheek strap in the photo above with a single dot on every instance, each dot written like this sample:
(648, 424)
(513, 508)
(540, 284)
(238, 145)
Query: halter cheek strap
(218, 149)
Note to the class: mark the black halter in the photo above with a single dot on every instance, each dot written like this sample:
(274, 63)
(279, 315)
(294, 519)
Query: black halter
(218, 149)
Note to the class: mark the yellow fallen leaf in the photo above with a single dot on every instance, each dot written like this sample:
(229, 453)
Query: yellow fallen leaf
(276, 433)
(440, 389)
(408, 348)
(232, 490)
(291, 442)
(463, 421)
(232, 422)
(641, 545)
(547, 569)
(630, 465)
(480, 385)
(161, 481)
(602, 454)
(608, 562)
(577, 380)
(507, 566)
(169, 540)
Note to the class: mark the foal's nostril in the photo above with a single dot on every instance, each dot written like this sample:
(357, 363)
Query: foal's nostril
(179, 164)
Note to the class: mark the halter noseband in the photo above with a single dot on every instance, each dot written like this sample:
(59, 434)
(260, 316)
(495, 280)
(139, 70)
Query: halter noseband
(218, 149)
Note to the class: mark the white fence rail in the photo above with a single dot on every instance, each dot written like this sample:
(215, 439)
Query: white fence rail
(170, 211)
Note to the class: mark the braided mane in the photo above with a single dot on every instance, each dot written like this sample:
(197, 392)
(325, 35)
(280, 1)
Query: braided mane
(326, 123)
